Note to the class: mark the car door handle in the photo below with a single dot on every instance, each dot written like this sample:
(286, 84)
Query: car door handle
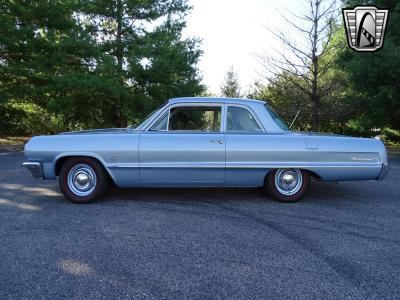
(217, 141)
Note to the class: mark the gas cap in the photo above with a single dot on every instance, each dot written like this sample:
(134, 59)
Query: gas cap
(312, 144)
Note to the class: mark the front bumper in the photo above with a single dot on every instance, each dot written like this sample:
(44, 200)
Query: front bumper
(35, 168)
(384, 171)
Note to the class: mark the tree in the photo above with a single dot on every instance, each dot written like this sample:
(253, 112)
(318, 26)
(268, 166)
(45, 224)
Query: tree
(98, 62)
(43, 52)
(375, 76)
(304, 60)
(286, 99)
(231, 86)
(144, 63)
(336, 109)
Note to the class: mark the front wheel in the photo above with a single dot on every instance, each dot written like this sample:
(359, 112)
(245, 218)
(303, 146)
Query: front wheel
(287, 185)
(82, 180)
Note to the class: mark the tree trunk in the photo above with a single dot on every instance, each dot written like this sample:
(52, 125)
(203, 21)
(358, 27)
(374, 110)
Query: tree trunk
(119, 119)
(315, 99)
(315, 113)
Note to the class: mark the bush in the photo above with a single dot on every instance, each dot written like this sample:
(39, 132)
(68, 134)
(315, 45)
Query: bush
(27, 119)
(390, 135)
(356, 128)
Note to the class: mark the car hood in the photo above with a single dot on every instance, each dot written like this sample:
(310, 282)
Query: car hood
(99, 131)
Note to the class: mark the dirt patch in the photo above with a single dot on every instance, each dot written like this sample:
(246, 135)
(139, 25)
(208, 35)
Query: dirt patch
(13, 140)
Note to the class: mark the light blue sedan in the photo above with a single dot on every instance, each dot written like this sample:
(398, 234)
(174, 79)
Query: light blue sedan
(203, 142)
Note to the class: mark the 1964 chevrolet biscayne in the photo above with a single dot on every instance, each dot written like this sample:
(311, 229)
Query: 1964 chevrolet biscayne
(203, 142)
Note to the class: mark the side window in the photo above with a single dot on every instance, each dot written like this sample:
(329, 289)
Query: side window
(240, 119)
(161, 124)
(195, 118)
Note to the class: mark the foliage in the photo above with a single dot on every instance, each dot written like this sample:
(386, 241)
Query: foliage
(231, 86)
(390, 135)
(71, 64)
(364, 96)
(376, 75)
(285, 93)
(286, 99)
(307, 61)
(96, 63)
(27, 119)
(143, 57)
(41, 47)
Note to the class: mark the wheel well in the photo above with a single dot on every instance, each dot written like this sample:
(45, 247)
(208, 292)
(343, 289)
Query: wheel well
(313, 174)
(63, 159)
(60, 162)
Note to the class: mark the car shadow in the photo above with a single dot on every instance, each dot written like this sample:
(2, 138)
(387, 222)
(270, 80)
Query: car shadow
(318, 190)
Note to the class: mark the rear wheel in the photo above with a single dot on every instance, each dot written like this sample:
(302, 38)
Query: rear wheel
(82, 180)
(287, 185)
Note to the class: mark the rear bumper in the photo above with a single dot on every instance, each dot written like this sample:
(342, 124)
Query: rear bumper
(35, 168)
(384, 171)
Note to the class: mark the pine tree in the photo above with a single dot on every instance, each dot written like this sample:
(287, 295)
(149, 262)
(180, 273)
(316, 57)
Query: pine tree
(97, 62)
(375, 76)
(231, 86)
(144, 64)
(43, 53)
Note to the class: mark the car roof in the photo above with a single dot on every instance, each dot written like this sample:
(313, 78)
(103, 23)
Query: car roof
(213, 100)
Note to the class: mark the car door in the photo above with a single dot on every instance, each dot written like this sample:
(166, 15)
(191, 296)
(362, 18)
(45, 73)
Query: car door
(245, 147)
(184, 147)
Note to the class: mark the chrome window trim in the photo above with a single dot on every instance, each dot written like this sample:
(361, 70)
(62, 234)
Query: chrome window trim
(190, 104)
(224, 117)
(254, 115)
(169, 115)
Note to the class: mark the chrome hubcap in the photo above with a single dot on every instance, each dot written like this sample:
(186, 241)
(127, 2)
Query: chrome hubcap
(81, 180)
(288, 181)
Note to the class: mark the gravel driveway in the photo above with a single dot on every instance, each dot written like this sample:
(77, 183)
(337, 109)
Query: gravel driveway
(343, 241)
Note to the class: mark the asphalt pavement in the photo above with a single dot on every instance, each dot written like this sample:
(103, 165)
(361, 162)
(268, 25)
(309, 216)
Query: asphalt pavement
(341, 242)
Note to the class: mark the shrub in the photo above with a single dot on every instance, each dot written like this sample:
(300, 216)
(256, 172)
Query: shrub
(27, 119)
(390, 135)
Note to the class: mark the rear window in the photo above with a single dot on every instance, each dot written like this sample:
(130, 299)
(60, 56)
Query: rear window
(277, 119)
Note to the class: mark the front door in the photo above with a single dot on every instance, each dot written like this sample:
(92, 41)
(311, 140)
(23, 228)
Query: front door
(185, 147)
(245, 148)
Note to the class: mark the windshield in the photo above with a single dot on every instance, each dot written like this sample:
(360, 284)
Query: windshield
(143, 124)
(277, 119)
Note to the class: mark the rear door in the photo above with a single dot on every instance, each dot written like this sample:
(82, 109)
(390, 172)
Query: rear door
(184, 147)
